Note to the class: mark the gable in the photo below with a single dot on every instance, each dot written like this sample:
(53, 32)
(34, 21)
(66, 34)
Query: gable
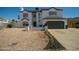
(55, 9)
(52, 9)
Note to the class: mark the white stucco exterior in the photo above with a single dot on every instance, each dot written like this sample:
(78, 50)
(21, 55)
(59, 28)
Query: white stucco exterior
(36, 17)
(45, 13)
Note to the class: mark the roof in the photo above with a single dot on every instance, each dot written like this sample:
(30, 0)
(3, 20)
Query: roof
(40, 9)
(54, 8)
(34, 11)
(25, 19)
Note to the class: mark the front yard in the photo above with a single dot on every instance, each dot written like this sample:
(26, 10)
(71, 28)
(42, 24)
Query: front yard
(18, 39)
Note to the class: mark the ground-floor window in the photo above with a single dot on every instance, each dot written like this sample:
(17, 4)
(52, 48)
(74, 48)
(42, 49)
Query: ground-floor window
(25, 24)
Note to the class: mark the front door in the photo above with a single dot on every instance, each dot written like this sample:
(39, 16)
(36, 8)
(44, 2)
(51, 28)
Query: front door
(25, 23)
(34, 19)
(34, 23)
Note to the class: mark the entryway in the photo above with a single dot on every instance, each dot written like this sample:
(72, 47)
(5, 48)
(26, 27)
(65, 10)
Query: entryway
(34, 24)
(34, 19)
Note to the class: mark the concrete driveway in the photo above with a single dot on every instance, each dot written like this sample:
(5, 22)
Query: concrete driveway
(68, 38)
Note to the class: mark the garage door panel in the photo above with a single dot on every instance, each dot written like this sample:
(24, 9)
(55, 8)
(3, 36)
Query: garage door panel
(55, 24)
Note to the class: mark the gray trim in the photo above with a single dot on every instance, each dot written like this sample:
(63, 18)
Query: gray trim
(54, 18)
(25, 18)
(54, 8)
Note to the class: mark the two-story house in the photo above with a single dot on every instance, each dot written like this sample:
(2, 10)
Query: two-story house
(51, 17)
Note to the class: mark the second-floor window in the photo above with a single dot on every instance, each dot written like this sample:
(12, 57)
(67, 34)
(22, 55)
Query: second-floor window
(39, 15)
(25, 15)
(51, 13)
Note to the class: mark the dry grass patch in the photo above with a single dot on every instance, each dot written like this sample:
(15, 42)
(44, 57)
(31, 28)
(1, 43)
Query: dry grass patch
(17, 39)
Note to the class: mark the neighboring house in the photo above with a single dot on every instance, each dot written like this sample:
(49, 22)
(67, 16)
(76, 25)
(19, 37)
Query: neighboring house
(3, 23)
(73, 23)
(51, 17)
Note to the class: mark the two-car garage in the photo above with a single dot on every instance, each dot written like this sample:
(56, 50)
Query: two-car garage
(55, 23)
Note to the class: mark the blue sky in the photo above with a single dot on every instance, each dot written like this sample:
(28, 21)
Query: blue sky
(13, 12)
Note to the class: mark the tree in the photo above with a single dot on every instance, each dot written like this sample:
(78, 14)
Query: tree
(76, 25)
(12, 24)
(76, 17)
(9, 25)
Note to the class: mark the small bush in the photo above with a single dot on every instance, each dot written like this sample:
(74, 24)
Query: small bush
(76, 25)
(66, 26)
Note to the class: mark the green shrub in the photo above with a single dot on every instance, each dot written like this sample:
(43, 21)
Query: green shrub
(76, 25)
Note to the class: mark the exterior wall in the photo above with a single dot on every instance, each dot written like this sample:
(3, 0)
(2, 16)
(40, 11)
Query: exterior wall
(21, 14)
(27, 13)
(37, 19)
(59, 12)
(45, 13)
(19, 24)
(30, 19)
